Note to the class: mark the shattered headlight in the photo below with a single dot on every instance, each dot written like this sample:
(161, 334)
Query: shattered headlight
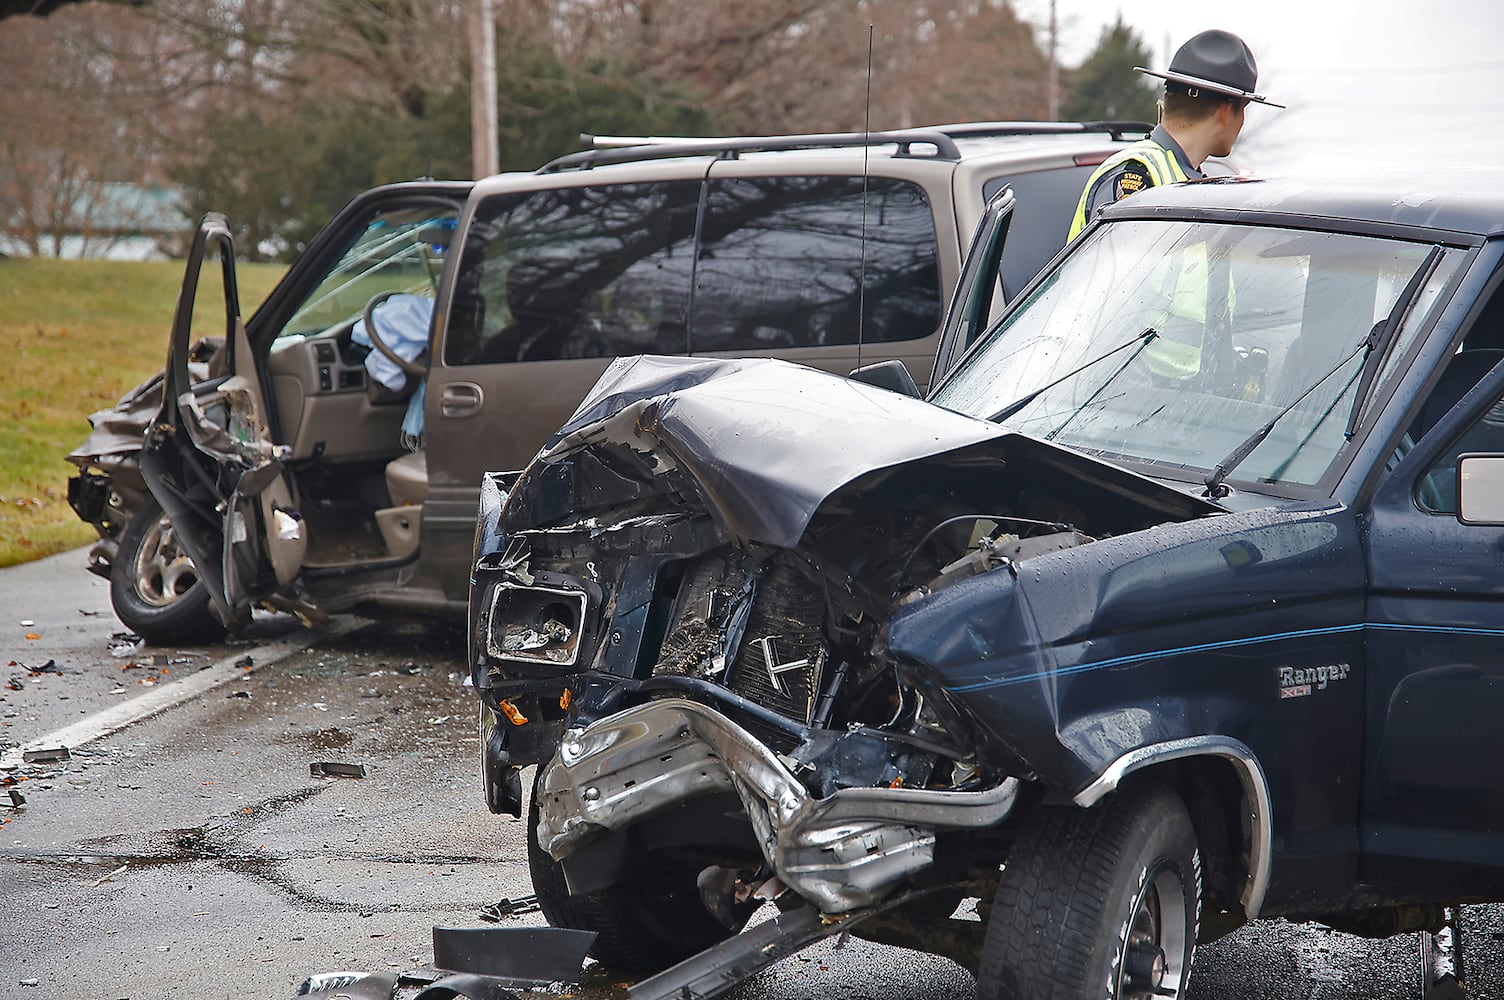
(535, 624)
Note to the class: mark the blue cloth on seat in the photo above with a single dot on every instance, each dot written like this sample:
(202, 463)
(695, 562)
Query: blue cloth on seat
(402, 323)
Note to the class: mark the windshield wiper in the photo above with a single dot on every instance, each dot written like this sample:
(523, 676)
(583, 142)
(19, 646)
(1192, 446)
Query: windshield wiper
(1142, 340)
(1374, 347)
(1380, 350)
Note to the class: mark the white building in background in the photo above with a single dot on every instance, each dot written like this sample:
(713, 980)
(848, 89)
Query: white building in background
(110, 220)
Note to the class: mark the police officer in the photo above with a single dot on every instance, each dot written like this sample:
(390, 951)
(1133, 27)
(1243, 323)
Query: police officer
(1209, 83)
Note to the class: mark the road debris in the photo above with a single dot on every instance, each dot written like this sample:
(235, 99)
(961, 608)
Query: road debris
(239, 694)
(17, 800)
(123, 644)
(27, 623)
(336, 769)
(45, 755)
(108, 878)
(497, 911)
(245, 662)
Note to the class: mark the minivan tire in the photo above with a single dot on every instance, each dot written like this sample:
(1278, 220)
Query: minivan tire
(154, 587)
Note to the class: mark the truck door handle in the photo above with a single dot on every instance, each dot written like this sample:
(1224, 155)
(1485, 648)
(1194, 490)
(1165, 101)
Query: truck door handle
(461, 399)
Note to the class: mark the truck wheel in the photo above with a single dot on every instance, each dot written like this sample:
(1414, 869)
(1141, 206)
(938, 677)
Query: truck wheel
(646, 924)
(154, 587)
(1097, 903)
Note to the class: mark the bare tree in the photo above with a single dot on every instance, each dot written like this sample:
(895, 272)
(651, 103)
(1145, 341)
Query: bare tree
(801, 65)
(68, 134)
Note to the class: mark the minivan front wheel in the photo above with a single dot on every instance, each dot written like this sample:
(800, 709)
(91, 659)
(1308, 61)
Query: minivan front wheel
(154, 587)
(1097, 904)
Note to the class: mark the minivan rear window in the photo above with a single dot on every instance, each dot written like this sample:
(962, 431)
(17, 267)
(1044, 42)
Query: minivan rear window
(592, 272)
(788, 262)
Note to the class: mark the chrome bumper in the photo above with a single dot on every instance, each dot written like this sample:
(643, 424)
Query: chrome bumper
(841, 853)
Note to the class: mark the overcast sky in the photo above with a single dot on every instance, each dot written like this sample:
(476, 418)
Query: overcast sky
(1376, 86)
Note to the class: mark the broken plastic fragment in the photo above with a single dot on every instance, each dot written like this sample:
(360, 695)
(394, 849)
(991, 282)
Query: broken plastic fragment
(513, 713)
(43, 755)
(123, 644)
(510, 908)
(517, 639)
(336, 769)
(289, 528)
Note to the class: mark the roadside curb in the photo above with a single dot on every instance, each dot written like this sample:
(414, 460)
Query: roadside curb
(117, 717)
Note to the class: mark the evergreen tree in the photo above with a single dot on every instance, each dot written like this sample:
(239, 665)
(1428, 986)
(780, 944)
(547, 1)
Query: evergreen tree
(1106, 87)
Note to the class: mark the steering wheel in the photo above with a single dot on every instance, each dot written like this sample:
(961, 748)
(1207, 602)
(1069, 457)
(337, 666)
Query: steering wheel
(412, 368)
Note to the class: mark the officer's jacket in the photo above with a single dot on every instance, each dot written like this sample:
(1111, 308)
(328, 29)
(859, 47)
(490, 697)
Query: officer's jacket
(1161, 166)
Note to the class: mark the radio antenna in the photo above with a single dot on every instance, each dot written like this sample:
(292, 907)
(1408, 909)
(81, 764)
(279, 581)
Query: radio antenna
(861, 290)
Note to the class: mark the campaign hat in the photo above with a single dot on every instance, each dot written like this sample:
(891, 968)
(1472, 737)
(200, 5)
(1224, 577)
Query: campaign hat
(1215, 61)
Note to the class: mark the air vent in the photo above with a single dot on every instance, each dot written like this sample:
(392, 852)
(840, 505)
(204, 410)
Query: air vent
(324, 353)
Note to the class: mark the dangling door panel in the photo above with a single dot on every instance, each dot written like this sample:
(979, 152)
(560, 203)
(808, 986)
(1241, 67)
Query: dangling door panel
(209, 458)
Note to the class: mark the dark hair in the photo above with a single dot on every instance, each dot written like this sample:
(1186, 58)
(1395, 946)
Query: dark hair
(1181, 106)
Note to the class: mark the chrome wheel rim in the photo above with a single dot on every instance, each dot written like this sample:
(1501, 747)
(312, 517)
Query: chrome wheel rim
(1155, 947)
(163, 571)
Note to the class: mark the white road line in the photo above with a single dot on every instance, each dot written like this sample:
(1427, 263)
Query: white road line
(117, 717)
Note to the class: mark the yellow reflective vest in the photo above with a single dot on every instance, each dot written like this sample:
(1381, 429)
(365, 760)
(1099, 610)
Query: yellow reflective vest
(1161, 165)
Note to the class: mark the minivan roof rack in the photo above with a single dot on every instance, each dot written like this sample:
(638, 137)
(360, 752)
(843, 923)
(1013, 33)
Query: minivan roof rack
(622, 149)
(606, 149)
(978, 130)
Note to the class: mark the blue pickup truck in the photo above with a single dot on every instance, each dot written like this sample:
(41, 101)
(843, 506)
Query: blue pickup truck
(1176, 604)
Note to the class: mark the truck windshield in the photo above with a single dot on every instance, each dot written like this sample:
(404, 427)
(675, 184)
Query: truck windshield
(1228, 324)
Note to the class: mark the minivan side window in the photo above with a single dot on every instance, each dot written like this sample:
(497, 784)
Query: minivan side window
(784, 262)
(575, 272)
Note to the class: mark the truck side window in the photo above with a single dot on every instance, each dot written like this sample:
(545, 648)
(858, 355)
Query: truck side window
(784, 263)
(575, 272)
(1436, 492)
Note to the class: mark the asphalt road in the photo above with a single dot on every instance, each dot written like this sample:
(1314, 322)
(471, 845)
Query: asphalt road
(185, 850)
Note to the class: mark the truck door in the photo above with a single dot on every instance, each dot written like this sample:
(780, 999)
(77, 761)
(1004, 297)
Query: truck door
(209, 458)
(1433, 795)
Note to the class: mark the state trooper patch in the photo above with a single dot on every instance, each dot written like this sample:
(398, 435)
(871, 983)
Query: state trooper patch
(1130, 181)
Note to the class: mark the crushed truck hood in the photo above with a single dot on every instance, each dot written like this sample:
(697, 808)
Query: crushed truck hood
(766, 442)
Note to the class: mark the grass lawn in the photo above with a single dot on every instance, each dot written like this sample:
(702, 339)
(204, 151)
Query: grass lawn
(74, 336)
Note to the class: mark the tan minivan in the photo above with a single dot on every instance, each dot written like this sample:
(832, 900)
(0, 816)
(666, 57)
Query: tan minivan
(326, 454)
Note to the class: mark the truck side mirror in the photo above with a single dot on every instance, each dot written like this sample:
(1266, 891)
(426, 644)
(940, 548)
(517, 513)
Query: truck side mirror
(1480, 489)
(891, 375)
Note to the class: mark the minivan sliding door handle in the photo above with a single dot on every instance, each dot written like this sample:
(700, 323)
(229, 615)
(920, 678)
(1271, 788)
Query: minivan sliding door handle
(460, 399)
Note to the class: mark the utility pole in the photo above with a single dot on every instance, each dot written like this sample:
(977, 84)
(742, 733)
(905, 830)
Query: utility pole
(1054, 99)
(485, 143)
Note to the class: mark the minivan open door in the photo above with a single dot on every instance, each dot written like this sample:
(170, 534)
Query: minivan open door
(211, 461)
(978, 299)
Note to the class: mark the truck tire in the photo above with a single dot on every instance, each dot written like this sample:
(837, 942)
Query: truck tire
(1097, 904)
(646, 924)
(155, 590)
